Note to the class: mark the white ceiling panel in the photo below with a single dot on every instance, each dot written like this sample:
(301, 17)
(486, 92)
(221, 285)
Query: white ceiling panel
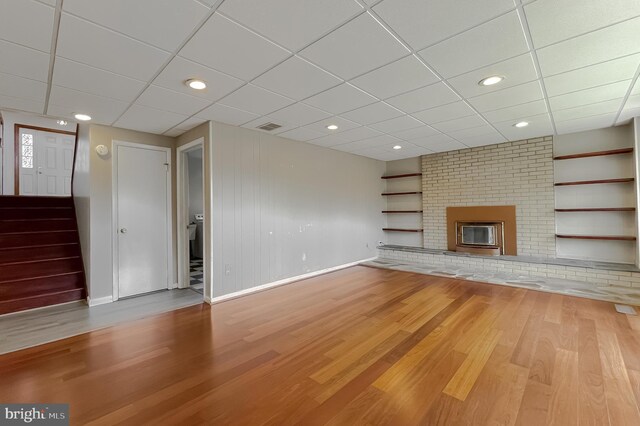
(172, 20)
(465, 134)
(590, 110)
(355, 48)
(190, 123)
(443, 113)
(66, 102)
(85, 78)
(633, 102)
(90, 44)
(160, 98)
(342, 123)
(228, 115)
(329, 141)
(301, 134)
(460, 124)
(341, 99)
(27, 23)
(586, 123)
(397, 124)
(592, 76)
(373, 113)
(539, 125)
(151, 120)
(398, 77)
(590, 96)
(516, 95)
(291, 23)
(422, 23)
(260, 121)
(517, 112)
(484, 140)
(574, 17)
(415, 133)
(19, 87)
(180, 70)
(494, 41)
(297, 79)
(29, 105)
(424, 98)
(592, 48)
(174, 133)
(299, 114)
(359, 133)
(226, 46)
(23, 61)
(515, 71)
(627, 114)
(371, 143)
(439, 143)
(256, 100)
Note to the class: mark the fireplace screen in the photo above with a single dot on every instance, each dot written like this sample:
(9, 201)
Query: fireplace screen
(481, 235)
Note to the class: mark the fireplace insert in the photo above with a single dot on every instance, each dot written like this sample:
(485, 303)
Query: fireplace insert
(480, 237)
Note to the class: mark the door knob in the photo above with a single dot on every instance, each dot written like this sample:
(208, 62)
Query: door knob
(123, 230)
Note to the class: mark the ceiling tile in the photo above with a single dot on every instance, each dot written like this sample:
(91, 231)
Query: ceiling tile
(343, 125)
(256, 100)
(151, 120)
(18, 87)
(398, 77)
(592, 48)
(246, 57)
(171, 23)
(633, 102)
(301, 134)
(261, 121)
(296, 79)
(329, 141)
(291, 23)
(516, 112)
(359, 133)
(168, 100)
(228, 115)
(174, 133)
(190, 123)
(355, 48)
(484, 140)
(373, 113)
(422, 23)
(627, 114)
(516, 71)
(585, 123)
(574, 17)
(84, 78)
(397, 124)
(466, 134)
(66, 102)
(371, 143)
(341, 99)
(424, 98)
(516, 95)
(299, 114)
(27, 23)
(460, 124)
(443, 113)
(180, 70)
(589, 96)
(439, 143)
(590, 110)
(23, 61)
(539, 125)
(416, 133)
(494, 41)
(29, 105)
(592, 76)
(109, 50)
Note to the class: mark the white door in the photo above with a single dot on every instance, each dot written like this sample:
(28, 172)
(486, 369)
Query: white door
(46, 162)
(142, 219)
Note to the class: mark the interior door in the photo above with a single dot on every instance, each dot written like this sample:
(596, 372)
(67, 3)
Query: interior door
(142, 218)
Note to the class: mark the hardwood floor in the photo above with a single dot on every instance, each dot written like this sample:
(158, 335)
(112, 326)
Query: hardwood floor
(357, 346)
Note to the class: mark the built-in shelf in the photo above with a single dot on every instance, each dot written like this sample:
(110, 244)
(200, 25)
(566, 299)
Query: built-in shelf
(592, 182)
(401, 211)
(401, 176)
(401, 230)
(598, 237)
(600, 209)
(402, 193)
(595, 154)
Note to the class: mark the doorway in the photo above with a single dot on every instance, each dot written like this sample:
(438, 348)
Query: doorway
(191, 225)
(141, 219)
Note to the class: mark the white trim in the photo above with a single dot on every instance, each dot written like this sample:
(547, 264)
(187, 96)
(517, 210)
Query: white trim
(99, 300)
(285, 281)
(115, 144)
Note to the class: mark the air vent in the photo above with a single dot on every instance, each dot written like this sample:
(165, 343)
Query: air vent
(269, 126)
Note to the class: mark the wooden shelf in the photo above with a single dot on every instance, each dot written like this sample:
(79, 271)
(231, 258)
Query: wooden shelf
(402, 193)
(598, 237)
(401, 176)
(401, 211)
(592, 182)
(402, 230)
(595, 154)
(603, 209)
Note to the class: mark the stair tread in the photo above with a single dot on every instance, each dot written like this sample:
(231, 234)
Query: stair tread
(48, 259)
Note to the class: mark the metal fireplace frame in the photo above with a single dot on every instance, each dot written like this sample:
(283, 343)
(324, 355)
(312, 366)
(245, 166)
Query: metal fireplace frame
(481, 249)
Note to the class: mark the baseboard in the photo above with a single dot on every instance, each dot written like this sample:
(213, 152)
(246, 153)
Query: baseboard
(99, 300)
(285, 281)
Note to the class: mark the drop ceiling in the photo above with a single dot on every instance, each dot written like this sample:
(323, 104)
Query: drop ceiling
(389, 72)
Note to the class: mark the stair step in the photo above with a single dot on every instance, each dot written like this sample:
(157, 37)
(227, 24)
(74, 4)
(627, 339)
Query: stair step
(42, 268)
(25, 239)
(25, 254)
(25, 201)
(47, 299)
(32, 225)
(36, 212)
(37, 286)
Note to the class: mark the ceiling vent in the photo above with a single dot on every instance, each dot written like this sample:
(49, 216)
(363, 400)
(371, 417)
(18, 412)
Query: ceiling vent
(269, 126)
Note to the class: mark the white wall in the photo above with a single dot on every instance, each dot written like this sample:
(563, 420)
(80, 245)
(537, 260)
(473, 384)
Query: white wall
(81, 197)
(282, 208)
(404, 202)
(196, 194)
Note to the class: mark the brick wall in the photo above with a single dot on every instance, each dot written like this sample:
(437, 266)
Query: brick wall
(515, 173)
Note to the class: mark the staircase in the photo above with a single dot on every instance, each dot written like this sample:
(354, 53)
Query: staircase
(40, 259)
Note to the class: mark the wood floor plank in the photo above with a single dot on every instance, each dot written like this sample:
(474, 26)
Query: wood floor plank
(563, 404)
(592, 405)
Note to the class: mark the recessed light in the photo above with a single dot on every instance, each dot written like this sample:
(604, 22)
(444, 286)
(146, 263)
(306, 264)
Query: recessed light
(62, 122)
(82, 117)
(397, 147)
(490, 81)
(332, 127)
(196, 84)
(521, 124)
